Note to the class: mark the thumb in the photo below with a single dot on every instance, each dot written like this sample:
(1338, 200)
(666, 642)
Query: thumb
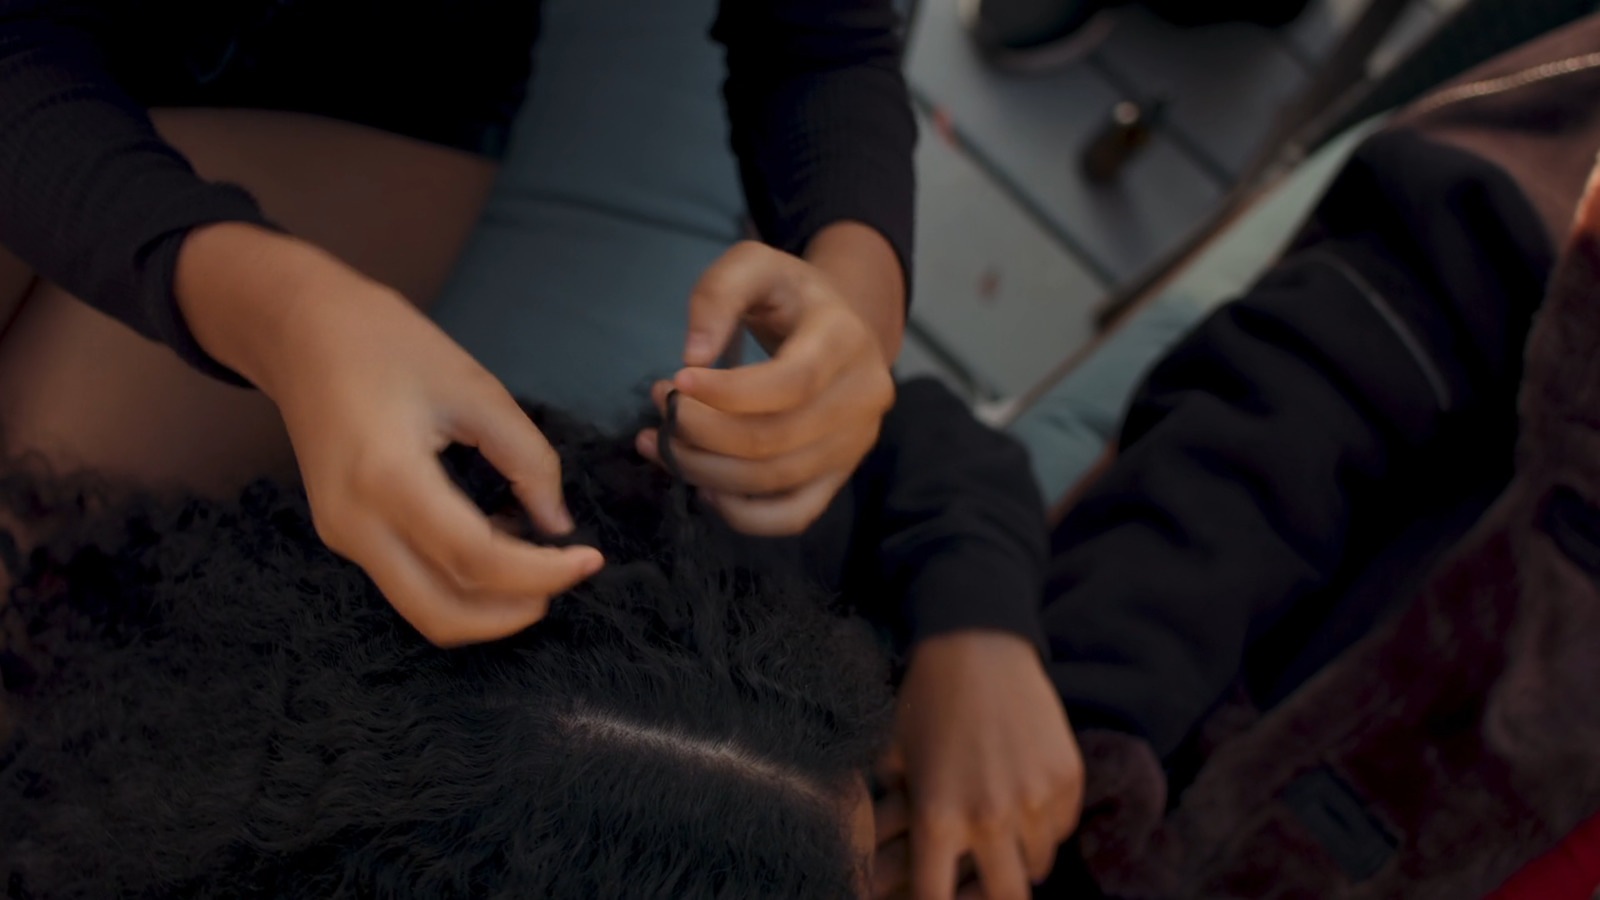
(744, 277)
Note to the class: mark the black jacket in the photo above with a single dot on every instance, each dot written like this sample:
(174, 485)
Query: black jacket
(1366, 383)
(942, 527)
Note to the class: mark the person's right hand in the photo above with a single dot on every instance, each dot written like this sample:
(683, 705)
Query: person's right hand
(371, 391)
(983, 765)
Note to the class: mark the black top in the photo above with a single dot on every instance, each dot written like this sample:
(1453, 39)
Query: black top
(1365, 385)
(94, 200)
(942, 528)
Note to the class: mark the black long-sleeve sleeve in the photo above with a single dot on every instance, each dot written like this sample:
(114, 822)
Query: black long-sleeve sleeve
(1385, 349)
(90, 196)
(820, 116)
(93, 199)
(947, 524)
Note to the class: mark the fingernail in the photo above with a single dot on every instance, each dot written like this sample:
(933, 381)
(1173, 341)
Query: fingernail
(684, 381)
(646, 443)
(592, 563)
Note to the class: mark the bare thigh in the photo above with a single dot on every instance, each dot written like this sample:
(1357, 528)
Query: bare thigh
(84, 392)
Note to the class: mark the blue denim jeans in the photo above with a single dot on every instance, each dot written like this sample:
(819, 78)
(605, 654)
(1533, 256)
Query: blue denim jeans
(618, 189)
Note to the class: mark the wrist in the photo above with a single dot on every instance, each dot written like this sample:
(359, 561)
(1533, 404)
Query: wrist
(968, 641)
(241, 287)
(863, 266)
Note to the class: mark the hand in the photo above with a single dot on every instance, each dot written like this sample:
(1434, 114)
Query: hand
(370, 392)
(982, 762)
(770, 444)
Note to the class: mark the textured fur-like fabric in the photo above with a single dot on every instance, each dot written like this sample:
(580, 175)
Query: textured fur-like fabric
(205, 702)
(1469, 728)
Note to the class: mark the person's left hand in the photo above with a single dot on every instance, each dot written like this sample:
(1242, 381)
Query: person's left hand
(983, 769)
(769, 444)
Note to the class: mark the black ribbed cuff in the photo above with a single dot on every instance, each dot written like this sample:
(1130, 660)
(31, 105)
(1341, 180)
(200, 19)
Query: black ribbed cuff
(974, 587)
(156, 270)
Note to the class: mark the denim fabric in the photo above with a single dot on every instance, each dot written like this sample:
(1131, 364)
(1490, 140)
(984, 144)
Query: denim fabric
(618, 190)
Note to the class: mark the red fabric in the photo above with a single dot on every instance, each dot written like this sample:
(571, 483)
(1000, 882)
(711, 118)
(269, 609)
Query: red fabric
(1569, 872)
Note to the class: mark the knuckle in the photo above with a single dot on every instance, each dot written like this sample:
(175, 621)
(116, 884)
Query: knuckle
(814, 286)
(1066, 781)
(748, 248)
(466, 568)
(991, 817)
(1036, 801)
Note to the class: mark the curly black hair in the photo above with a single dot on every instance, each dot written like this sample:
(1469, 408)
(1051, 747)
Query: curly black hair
(205, 702)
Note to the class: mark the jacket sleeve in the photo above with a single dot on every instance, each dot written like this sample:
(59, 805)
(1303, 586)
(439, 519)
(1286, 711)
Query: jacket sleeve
(90, 196)
(949, 522)
(1385, 348)
(820, 116)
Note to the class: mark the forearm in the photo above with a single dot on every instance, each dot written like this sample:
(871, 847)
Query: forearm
(861, 263)
(242, 289)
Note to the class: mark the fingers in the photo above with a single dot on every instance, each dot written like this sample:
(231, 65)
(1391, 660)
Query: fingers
(747, 275)
(430, 605)
(972, 890)
(444, 528)
(1039, 846)
(441, 563)
(769, 444)
(891, 868)
(811, 358)
(1001, 866)
(936, 844)
(758, 436)
(891, 816)
(756, 514)
(754, 478)
(511, 443)
(780, 516)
